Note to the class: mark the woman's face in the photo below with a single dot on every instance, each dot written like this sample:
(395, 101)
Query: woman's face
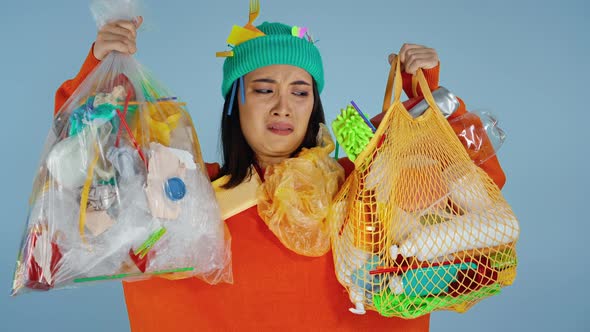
(275, 115)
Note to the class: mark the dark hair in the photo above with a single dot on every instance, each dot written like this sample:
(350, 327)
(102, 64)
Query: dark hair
(237, 154)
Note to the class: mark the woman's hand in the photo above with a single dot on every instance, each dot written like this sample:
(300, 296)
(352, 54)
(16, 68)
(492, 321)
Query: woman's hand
(117, 36)
(414, 56)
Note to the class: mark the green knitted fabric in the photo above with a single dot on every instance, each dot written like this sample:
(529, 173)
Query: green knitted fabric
(278, 47)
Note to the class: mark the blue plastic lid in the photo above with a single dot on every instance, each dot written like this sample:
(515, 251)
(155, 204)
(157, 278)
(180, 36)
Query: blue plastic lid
(175, 189)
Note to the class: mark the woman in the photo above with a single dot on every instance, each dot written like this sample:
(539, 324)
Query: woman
(272, 112)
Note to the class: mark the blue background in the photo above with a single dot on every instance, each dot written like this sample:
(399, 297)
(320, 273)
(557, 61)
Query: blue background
(527, 61)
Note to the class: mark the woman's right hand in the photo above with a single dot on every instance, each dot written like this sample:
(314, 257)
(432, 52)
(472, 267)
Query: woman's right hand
(117, 36)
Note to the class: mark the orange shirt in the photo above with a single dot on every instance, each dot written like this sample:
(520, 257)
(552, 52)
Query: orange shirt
(273, 289)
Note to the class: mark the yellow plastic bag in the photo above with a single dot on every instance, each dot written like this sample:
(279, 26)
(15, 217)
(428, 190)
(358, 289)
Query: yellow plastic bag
(295, 197)
(417, 226)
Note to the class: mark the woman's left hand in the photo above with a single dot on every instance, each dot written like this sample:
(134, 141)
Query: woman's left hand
(414, 56)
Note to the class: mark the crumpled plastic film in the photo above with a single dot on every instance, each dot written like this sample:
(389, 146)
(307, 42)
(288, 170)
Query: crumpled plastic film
(480, 134)
(294, 200)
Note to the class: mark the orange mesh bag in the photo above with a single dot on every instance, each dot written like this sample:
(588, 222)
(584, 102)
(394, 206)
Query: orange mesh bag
(417, 226)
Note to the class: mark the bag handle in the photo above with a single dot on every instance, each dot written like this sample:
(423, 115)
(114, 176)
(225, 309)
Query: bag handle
(395, 87)
(393, 84)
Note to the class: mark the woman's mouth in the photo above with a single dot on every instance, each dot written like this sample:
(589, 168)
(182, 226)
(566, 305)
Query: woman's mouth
(280, 128)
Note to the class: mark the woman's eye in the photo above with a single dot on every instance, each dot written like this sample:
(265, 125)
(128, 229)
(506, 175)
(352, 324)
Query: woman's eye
(263, 91)
(301, 93)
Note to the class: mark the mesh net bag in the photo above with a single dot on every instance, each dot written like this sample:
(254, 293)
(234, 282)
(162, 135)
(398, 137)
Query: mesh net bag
(122, 191)
(417, 226)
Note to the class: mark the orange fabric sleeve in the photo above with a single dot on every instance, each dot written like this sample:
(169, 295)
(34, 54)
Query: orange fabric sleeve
(432, 77)
(68, 87)
(347, 165)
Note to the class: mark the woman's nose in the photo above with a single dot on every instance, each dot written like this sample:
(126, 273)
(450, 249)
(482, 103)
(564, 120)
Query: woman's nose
(281, 106)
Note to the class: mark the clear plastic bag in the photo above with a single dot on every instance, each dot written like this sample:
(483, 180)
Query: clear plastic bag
(480, 134)
(122, 191)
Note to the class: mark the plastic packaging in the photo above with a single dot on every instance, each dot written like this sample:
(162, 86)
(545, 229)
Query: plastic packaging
(446, 101)
(480, 134)
(295, 197)
(122, 191)
(428, 281)
(489, 228)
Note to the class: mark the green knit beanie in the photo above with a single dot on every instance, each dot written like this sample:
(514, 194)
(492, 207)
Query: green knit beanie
(277, 47)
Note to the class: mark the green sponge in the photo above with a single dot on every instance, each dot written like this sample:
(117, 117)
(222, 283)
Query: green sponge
(352, 131)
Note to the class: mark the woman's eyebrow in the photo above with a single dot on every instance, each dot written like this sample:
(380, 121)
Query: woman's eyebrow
(270, 80)
(264, 80)
(300, 83)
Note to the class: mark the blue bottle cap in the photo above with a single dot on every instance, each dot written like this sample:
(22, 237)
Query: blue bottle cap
(175, 189)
